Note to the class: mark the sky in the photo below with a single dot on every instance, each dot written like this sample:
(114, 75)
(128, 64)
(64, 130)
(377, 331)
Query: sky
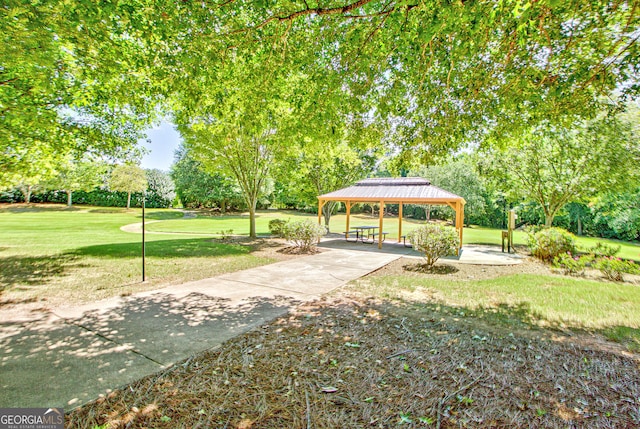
(164, 141)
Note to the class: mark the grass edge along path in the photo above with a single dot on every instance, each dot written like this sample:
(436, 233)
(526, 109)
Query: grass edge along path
(607, 308)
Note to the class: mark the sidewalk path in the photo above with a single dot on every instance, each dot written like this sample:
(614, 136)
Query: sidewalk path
(74, 355)
(68, 357)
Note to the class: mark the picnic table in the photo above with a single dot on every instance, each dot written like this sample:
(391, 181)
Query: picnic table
(364, 234)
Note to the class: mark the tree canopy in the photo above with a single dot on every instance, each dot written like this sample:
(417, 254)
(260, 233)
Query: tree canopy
(555, 166)
(128, 178)
(438, 74)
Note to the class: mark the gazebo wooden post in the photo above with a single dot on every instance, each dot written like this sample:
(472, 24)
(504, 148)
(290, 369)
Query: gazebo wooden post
(346, 231)
(459, 220)
(461, 204)
(320, 205)
(399, 222)
(380, 224)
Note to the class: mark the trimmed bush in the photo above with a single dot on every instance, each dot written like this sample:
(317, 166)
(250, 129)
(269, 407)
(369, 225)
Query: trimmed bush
(435, 241)
(303, 234)
(276, 227)
(548, 243)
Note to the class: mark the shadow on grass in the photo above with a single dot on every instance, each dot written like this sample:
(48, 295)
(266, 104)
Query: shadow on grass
(33, 270)
(163, 215)
(508, 318)
(109, 210)
(187, 248)
(35, 208)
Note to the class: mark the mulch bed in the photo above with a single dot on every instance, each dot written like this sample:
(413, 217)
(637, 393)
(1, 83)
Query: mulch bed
(353, 363)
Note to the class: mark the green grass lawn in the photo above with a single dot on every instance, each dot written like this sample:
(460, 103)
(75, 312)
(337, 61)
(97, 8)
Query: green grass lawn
(80, 254)
(213, 225)
(612, 309)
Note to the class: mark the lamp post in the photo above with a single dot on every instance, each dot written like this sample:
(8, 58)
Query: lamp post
(143, 249)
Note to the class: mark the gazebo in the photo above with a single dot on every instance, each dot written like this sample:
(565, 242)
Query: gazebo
(403, 190)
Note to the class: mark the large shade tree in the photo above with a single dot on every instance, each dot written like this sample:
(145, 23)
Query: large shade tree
(78, 175)
(197, 189)
(438, 73)
(554, 166)
(128, 178)
(73, 80)
(325, 167)
(79, 76)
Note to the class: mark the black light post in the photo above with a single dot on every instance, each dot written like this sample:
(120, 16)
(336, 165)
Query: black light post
(143, 250)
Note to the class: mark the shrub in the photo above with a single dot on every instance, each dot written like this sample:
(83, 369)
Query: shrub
(276, 227)
(226, 235)
(604, 249)
(548, 243)
(435, 241)
(303, 234)
(615, 268)
(571, 264)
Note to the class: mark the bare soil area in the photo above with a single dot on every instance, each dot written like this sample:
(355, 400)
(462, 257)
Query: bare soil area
(456, 271)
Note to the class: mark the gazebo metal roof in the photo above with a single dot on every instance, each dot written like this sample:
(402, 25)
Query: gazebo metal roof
(402, 190)
(405, 189)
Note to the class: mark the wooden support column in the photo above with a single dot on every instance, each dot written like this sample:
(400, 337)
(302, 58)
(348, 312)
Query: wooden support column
(380, 225)
(320, 205)
(460, 220)
(399, 222)
(348, 204)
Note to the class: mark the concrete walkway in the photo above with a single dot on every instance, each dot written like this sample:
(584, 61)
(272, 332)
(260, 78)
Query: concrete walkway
(68, 357)
(74, 355)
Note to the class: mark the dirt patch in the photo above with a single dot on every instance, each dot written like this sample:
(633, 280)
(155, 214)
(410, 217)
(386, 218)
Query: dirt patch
(456, 271)
(274, 248)
(347, 363)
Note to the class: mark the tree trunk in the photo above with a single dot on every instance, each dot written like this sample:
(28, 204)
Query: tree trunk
(128, 200)
(69, 198)
(252, 221)
(26, 191)
(579, 225)
(327, 209)
(548, 219)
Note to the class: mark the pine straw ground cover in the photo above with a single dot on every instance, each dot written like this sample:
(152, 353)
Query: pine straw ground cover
(357, 363)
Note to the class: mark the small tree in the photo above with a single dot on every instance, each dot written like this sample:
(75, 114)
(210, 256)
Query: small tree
(161, 188)
(77, 176)
(435, 241)
(128, 178)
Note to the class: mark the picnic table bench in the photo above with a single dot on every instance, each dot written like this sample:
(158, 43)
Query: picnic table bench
(404, 241)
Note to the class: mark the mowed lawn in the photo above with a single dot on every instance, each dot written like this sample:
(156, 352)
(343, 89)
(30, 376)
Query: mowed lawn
(239, 224)
(71, 256)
